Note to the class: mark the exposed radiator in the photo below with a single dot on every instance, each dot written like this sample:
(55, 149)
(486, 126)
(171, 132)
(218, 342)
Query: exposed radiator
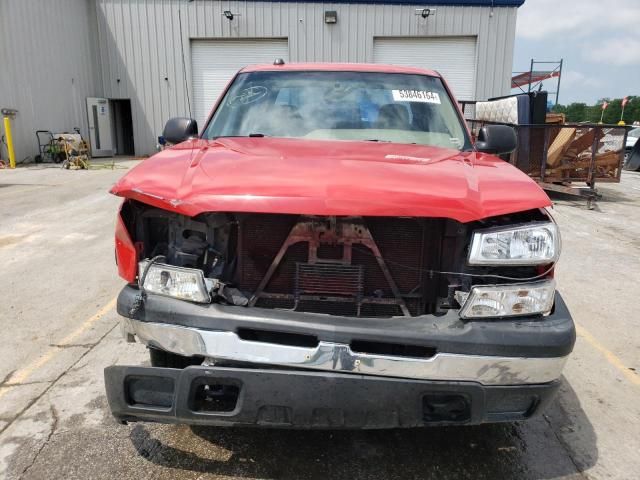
(369, 267)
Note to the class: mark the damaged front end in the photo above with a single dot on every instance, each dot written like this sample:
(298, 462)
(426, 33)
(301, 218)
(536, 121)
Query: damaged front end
(351, 266)
(339, 305)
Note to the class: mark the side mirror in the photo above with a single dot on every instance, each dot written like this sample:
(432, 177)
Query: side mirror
(497, 139)
(179, 129)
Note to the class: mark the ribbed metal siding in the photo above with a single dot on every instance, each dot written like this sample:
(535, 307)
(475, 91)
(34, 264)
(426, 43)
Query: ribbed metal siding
(214, 62)
(140, 44)
(47, 66)
(453, 57)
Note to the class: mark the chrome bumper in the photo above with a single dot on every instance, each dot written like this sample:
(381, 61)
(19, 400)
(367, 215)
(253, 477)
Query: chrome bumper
(338, 357)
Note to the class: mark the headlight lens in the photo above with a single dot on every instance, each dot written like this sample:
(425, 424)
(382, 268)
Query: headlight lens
(177, 282)
(531, 244)
(508, 300)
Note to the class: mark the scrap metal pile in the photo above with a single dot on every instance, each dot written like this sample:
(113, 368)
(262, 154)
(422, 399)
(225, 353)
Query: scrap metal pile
(584, 153)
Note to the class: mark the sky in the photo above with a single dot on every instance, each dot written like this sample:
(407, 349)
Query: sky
(599, 41)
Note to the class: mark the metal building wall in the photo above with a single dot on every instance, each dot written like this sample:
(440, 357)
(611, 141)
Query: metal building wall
(140, 43)
(48, 66)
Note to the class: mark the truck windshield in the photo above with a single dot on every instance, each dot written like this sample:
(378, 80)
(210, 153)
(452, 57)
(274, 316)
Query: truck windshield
(325, 105)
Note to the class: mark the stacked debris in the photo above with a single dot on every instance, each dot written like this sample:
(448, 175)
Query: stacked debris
(584, 153)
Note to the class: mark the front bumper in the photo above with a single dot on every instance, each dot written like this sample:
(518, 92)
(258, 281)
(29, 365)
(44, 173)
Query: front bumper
(312, 370)
(222, 346)
(299, 399)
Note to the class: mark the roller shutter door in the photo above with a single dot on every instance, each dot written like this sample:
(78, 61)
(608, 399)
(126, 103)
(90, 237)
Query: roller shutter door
(453, 57)
(215, 62)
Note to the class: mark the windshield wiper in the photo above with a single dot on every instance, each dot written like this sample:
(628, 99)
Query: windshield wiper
(251, 135)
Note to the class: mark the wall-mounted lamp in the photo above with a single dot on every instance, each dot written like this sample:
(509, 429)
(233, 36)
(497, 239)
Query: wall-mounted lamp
(9, 112)
(330, 16)
(425, 12)
(229, 15)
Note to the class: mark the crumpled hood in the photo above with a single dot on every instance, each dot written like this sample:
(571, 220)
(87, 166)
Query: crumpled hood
(320, 177)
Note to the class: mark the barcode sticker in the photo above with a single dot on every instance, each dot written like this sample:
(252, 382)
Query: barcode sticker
(421, 96)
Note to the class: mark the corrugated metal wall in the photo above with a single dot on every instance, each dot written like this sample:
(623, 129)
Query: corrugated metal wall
(140, 43)
(51, 58)
(48, 66)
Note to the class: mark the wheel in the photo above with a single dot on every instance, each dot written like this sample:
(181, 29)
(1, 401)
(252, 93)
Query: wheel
(160, 358)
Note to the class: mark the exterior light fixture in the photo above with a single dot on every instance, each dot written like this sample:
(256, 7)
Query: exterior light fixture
(425, 12)
(330, 16)
(229, 14)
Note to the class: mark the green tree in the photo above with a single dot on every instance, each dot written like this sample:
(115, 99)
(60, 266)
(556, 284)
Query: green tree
(581, 112)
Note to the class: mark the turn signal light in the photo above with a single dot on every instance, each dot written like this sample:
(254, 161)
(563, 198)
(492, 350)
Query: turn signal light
(126, 253)
(511, 300)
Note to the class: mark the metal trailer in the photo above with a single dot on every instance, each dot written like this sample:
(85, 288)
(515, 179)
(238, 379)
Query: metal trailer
(600, 161)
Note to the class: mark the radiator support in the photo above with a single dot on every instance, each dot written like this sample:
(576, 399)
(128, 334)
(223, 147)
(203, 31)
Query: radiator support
(344, 280)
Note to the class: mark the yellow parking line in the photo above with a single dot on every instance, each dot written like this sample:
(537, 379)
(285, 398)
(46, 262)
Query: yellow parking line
(23, 374)
(611, 357)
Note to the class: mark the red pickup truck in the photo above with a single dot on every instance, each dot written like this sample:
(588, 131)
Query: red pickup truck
(334, 251)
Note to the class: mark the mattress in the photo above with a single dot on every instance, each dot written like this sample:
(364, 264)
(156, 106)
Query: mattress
(513, 110)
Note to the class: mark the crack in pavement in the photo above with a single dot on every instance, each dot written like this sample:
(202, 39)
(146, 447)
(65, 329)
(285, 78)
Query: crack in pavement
(9, 385)
(54, 426)
(6, 378)
(56, 380)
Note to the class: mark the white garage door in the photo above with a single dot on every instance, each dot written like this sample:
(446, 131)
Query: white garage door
(215, 62)
(453, 57)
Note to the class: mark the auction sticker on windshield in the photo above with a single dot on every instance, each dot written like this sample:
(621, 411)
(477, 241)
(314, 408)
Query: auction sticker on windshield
(415, 96)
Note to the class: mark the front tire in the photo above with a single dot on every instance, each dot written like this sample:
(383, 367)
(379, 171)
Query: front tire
(161, 358)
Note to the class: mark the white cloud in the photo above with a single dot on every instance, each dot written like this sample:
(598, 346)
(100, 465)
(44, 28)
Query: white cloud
(614, 51)
(573, 78)
(559, 20)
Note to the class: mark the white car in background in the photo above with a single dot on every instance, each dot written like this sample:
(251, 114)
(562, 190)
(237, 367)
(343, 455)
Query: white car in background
(632, 138)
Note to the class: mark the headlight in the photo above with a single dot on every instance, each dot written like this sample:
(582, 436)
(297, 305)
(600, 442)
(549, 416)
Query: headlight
(531, 244)
(178, 282)
(507, 300)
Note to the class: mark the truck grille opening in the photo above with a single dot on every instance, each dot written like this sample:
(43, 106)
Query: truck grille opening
(213, 395)
(446, 408)
(348, 266)
(149, 391)
(392, 349)
(278, 338)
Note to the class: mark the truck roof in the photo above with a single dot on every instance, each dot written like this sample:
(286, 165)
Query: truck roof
(340, 67)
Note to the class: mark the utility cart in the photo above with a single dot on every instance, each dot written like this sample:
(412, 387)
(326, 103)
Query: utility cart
(49, 149)
(69, 149)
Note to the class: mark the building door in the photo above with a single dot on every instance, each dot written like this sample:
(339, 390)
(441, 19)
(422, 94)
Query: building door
(99, 117)
(215, 62)
(453, 57)
(121, 126)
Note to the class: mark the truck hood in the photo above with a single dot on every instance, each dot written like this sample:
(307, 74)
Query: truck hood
(320, 177)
